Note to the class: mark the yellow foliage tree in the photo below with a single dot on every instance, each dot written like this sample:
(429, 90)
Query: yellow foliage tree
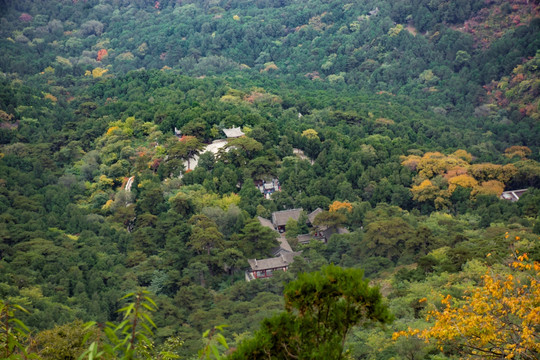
(338, 205)
(384, 121)
(425, 191)
(112, 130)
(455, 172)
(519, 151)
(98, 72)
(228, 200)
(230, 98)
(435, 163)
(487, 171)
(464, 180)
(127, 56)
(395, 30)
(462, 154)
(310, 134)
(499, 320)
(491, 187)
(107, 205)
(105, 182)
(458, 171)
(63, 61)
(270, 66)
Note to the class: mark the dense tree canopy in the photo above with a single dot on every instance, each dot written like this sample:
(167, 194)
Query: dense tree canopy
(403, 121)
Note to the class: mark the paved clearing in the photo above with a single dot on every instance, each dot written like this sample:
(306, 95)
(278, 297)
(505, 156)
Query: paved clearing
(213, 148)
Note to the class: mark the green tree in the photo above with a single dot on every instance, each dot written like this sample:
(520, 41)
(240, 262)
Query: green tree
(261, 168)
(66, 341)
(240, 150)
(388, 238)
(256, 240)
(213, 338)
(321, 308)
(293, 229)
(186, 148)
(330, 220)
(205, 235)
(197, 128)
(250, 198)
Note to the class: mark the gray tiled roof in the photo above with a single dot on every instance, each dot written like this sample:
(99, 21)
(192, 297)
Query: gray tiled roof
(265, 222)
(284, 244)
(313, 214)
(328, 232)
(280, 218)
(233, 132)
(272, 263)
(304, 238)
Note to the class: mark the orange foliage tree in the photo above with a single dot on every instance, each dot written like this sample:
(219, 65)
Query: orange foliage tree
(50, 97)
(101, 54)
(499, 320)
(338, 205)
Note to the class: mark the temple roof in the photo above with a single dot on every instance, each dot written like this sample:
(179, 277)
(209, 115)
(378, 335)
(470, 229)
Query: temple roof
(280, 218)
(233, 132)
(273, 263)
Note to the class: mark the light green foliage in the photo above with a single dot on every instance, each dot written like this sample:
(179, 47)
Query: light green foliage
(66, 341)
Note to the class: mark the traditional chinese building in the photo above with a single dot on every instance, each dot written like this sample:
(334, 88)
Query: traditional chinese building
(265, 268)
(233, 132)
(280, 218)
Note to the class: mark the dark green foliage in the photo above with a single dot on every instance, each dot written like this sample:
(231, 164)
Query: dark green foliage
(257, 241)
(73, 238)
(321, 308)
(388, 238)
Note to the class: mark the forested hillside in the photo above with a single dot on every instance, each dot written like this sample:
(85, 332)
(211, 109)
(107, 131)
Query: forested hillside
(395, 126)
